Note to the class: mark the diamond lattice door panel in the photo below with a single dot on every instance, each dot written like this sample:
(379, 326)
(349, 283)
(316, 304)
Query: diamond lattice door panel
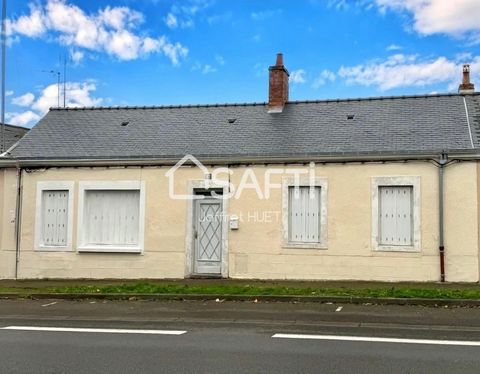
(208, 237)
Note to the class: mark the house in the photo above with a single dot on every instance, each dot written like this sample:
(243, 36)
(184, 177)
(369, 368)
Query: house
(12, 134)
(382, 189)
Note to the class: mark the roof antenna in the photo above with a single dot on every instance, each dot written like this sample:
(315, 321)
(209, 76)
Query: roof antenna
(65, 80)
(3, 41)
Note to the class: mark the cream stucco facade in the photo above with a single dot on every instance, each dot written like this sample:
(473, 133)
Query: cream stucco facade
(256, 249)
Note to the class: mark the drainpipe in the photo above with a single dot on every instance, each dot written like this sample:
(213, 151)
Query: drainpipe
(18, 218)
(441, 245)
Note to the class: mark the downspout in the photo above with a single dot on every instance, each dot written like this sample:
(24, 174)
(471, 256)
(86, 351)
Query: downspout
(441, 245)
(18, 219)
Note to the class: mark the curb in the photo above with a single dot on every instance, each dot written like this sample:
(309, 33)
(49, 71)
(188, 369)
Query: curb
(271, 298)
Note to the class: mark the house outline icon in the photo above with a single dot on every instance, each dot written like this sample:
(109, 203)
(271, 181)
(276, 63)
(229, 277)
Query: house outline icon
(170, 174)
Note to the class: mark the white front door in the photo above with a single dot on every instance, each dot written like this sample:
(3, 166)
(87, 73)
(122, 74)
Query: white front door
(208, 237)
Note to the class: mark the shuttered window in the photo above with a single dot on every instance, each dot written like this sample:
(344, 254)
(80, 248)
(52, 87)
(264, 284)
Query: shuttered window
(54, 223)
(304, 214)
(396, 215)
(112, 217)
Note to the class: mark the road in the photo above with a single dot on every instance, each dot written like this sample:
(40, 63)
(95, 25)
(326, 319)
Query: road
(235, 337)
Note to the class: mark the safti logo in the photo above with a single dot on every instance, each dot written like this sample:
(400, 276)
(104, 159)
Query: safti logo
(220, 177)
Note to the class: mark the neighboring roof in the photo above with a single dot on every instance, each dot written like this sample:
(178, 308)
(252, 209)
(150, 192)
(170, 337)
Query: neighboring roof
(13, 134)
(418, 124)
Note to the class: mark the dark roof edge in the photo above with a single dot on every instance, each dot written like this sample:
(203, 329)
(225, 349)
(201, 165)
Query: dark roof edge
(473, 154)
(16, 127)
(265, 103)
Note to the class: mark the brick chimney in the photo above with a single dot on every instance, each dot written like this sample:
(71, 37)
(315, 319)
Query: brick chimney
(278, 86)
(466, 87)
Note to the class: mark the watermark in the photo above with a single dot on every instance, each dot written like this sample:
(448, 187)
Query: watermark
(254, 216)
(220, 178)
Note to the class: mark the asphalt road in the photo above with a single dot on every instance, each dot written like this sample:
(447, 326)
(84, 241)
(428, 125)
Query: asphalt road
(235, 338)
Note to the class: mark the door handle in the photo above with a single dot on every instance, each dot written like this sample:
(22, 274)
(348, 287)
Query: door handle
(195, 234)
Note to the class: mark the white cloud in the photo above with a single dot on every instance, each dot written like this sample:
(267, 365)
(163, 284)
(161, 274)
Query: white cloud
(452, 17)
(207, 69)
(24, 100)
(112, 30)
(79, 94)
(220, 60)
(297, 76)
(408, 71)
(183, 16)
(9, 93)
(324, 77)
(393, 47)
(22, 119)
(265, 14)
(76, 56)
(171, 21)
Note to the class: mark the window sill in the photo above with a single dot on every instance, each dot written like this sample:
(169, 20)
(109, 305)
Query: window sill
(298, 245)
(398, 249)
(109, 249)
(53, 249)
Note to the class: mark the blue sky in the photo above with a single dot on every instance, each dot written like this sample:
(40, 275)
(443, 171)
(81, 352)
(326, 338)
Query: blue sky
(155, 52)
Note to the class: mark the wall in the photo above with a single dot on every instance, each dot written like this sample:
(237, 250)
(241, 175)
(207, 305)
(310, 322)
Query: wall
(8, 188)
(255, 250)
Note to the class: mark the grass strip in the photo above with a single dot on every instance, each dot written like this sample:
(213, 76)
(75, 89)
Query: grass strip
(247, 289)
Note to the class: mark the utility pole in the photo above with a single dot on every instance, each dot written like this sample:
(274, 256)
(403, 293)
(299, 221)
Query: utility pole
(3, 41)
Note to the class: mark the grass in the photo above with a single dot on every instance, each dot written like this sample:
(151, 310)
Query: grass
(258, 289)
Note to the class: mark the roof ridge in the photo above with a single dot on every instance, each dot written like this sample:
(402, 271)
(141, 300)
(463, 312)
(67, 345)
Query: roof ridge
(180, 106)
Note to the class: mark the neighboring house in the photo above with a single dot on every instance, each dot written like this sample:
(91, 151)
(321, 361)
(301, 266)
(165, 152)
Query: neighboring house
(393, 194)
(12, 134)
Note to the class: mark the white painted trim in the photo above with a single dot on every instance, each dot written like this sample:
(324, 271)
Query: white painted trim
(305, 181)
(468, 122)
(413, 181)
(111, 185)
(374, 339)
(189, 246)
(53, 186)
(103, 331)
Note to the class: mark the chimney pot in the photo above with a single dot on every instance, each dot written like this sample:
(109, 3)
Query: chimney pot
(279, 59)
(278, 86)
(466, 87)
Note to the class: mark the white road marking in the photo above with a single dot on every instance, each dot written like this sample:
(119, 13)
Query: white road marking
(106, 331)
(339, 309)
(50, 304)
(378, 340)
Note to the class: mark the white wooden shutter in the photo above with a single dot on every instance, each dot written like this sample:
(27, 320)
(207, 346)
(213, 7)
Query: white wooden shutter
(54, 218)
(304, 214)
(396, 215)
(112, 217)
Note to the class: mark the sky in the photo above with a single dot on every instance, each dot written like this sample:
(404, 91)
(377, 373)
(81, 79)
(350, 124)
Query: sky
(166, 52)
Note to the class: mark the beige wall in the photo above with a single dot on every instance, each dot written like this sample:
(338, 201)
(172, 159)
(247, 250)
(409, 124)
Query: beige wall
(255, 250)
(8, 188)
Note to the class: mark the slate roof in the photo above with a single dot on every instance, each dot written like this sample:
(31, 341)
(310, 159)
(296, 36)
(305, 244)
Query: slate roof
(13, 134)
(391, 125)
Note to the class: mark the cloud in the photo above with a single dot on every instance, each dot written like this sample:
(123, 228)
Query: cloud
(24, 100)
(79, 94)
(265, 14)
(297, 76)
(456, 18)
(183, 16)
(111, 30)
(220, 60)
(22, 119)
(171, 21)
(324, 77)
(408, 71)
(9, 93)
(393, 47)
(207, 69)
(76, 56)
